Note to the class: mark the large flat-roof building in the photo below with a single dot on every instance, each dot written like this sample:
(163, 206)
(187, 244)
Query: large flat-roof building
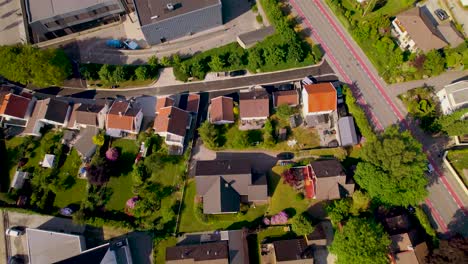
(453, 96)
(164, 20)
(54, 18)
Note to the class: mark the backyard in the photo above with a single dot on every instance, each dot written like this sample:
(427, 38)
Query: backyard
(459, 160)
(421, 106)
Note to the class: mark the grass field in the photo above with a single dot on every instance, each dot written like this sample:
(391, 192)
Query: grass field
(76, 190)
(459, 160)
(13, 154)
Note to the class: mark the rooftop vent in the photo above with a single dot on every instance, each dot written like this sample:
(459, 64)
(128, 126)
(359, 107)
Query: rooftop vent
(170, 6)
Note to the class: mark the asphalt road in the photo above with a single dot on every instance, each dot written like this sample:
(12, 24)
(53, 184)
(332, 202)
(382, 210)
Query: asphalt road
(322, 72)
(445, 201)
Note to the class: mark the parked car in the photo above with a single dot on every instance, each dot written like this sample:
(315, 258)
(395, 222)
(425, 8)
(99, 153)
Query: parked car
(285, 87)
(285, 155)
(14, 231)
(441, 14)
(286, 162)
(130, 44)
(114, 43)
(430, 168)
(237, 73)
(309, 80)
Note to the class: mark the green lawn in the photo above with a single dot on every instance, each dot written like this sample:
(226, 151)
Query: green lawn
(190, 221)
(459, 160)
(13, 154)
(160, 249)
(169, 175)
(76, 190)
(284, 196)
(121, 183)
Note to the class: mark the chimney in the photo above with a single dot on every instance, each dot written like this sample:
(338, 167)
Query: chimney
(226, 185)
(120, 113)
(229, 166)
(170, 6)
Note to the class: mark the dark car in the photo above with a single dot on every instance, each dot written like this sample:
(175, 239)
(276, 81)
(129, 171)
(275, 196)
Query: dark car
(285, 87)
(285, 156)
(441, 14)
(237, 73)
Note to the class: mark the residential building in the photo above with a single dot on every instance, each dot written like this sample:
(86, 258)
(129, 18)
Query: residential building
(347, 131)
(123, 118)
(165, 20)
(221, 111)
(290, 98)
(19, 179)
(84, 115)
(190, 102)
(15, 109)
(293, 251)
(55, 18)
(201, 248)
(249, 39)
(453, 96)
(47, 112)
(319, 104)
(322, 235)
(84, 144)
(254, 109)
(224, 184)
(172, 123)
(163, 102)
(54, 247)
(415, 31)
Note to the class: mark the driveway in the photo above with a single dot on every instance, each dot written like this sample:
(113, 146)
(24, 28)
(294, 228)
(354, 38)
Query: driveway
(458, 12)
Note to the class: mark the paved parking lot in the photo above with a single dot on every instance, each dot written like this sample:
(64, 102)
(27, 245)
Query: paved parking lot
(12, 29)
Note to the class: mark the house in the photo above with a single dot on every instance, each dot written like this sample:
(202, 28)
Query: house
(224, 184)
(84, 144)
(293, 251)
(331, 180)
(322, 235)
(172, 123)
(47, 112)
(19, 179)
(123, 118)
(163, 102)
(48, 161)
(290, 98)
(254, 109)
(15, 109)
(453, 96)
(319, 103)
(221, 111)
(195, 247)
(54, 247)
(50, 19)
(347, 131)
(166, 20)
(84, 115)
(415, 31)
(191, 103)
(416, 255)
(249, 39)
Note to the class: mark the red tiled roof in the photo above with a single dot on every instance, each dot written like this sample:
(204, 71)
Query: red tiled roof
(321, 97)
(221, 109)
(120, 116)
(163, 102)
(254, 104)
(193, 101)
(290, 98)
(309, 183)
(13, 105)
(172, 120)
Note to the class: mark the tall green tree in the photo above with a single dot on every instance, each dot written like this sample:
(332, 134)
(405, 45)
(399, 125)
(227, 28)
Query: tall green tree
(434, 63)
(105, 73)
(209, 135)
(454, 124)
(361, 241)
(393, 169)
(216, 63)
(118, 76)
(142, 72)
(301, 225)
(255, 60)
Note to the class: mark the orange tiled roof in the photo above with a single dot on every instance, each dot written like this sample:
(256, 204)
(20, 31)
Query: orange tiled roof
(322, 97)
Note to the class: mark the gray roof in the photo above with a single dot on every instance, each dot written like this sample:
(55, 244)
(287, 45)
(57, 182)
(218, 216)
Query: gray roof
(347, 131)
(153, 11)
(459, 91)
(18, 180)
(450, 34)
(253, 37)
(198, 253)
(50, 247)
(238, 250)
(42, 9)
(217, 167)
(220, 198)
(293, 250)
(84, 145)
(56, 110)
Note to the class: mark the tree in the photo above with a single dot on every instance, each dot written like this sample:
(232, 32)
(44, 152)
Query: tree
(142, 73)
(112, 154)
(234, 60)
(284, 111)
(98, 172)
(454, 59)
(216, 63)
(361, 241)
(98, 140)
(105, 73)
(454, 250)
(40, 67)
(255, 60)
(295, 52)
(454, 124)
(198, 70)
(301, 225)
(268, 131)
(289, 177)
(361, 202)
(118, 76)
(434, 63)
(338, 210)
(153, 62)
(209, 135)
(393, 169)
(165, 61)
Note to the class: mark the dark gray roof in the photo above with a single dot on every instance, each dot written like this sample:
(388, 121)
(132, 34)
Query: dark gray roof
(153, 11)
(327, 168)
(87, 114)
(56, 111)
(84, 145)
(347, 131)
(252, 37)
(238, 249)
(200, 252)
(222, 167)
(292, 249)
(221, 198)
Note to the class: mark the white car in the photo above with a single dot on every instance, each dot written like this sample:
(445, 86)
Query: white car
(430, 168)
(14, 231)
